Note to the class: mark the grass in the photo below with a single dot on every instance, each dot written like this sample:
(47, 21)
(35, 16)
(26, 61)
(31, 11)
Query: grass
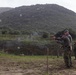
(32, 57)
(11, 37)
(34, 65)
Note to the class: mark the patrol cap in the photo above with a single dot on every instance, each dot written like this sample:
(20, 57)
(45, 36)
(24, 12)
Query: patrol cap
(66, 31)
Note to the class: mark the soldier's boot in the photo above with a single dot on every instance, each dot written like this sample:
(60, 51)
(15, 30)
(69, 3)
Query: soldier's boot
(70, 61)
(67, 65)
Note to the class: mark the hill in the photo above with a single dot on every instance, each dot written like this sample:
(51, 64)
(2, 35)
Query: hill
(48, 17)
(4, 9)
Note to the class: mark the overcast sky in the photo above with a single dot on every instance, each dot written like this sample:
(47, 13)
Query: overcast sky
(70, 4)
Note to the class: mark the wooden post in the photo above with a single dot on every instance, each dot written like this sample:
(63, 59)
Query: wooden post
(47, 61)
(57, 53)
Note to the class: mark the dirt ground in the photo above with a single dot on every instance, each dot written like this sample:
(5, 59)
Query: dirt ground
(35, 67)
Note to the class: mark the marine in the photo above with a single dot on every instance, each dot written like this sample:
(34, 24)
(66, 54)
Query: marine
(66, 42)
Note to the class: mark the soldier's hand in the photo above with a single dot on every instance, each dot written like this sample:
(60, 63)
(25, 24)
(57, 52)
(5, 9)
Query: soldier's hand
(71, 48)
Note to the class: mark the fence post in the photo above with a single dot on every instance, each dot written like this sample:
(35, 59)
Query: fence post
(47, 60)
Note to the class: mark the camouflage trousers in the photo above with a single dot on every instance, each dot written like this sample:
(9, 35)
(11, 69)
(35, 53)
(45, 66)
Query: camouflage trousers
(67, 57)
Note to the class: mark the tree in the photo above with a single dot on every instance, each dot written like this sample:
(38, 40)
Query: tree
(14, 32)
(45, 35)
(4, 31)
(73, 33)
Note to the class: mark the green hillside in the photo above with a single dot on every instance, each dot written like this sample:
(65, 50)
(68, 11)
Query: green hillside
(48, 17)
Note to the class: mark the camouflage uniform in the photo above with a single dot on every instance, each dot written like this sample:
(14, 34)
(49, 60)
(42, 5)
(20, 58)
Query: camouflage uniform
(74, 50)
(67, 46)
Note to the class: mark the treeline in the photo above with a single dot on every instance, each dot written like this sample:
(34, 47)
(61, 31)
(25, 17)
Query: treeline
(10, 31)
(37, 47)
(7, 30)
(29, 48)
(44, 34)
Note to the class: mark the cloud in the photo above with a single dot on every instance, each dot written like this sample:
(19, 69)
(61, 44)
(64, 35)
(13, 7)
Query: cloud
(70, 4)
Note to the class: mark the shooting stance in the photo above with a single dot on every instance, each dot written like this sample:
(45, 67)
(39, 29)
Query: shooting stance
(66, 41)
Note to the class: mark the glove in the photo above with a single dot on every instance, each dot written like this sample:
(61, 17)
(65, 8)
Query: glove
(70, 48)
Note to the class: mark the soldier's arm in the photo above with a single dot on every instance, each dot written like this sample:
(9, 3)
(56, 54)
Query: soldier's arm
(70, 42)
